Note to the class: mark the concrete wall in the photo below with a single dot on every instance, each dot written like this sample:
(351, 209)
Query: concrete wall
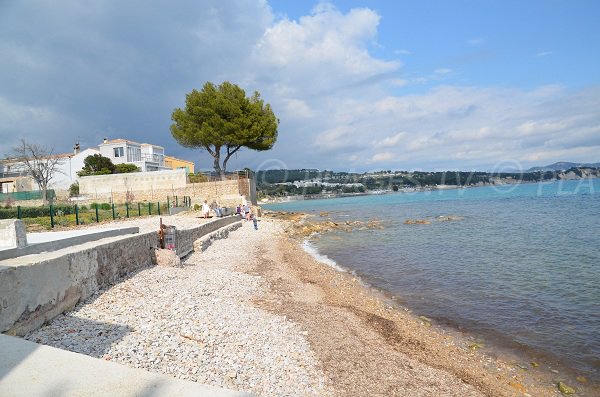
(103, 185)
(225, 192)
(12, 234)
(36, 288)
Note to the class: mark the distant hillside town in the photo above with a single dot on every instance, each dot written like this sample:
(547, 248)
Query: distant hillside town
(314, 182)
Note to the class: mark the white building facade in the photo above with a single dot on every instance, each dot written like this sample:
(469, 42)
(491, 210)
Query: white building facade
(145, 156)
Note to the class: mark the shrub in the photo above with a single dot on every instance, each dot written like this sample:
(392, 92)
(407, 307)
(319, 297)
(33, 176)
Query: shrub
(105, 206)
(74, 189)
(126, 168)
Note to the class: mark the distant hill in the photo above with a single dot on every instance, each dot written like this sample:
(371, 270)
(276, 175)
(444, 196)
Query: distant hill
(563, 166)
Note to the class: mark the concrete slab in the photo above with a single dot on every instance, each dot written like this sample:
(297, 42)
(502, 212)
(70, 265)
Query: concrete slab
(28, 369)
(54, 241)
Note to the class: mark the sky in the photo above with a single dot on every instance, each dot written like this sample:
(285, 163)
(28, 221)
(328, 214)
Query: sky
(357, 85)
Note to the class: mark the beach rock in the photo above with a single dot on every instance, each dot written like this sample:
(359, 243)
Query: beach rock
(449, 218)
(476, 345)
(564, 389)
(417, 222)
(166, 258)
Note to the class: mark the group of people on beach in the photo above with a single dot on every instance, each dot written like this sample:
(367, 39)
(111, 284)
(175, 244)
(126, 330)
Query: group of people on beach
(243, 210)
(246, 212)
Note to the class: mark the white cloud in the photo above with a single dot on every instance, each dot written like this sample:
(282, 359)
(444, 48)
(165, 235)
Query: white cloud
(393, 140)
(382, 157)
(543, 54)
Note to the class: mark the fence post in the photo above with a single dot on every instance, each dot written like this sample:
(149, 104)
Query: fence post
(51, 216)
(168, 203)
(158, 207)
(149, 208)
(97, 217)
(113, 211)
(76, 215)
(127, 210)
(139, 209)
(176, 201)
(18, 211)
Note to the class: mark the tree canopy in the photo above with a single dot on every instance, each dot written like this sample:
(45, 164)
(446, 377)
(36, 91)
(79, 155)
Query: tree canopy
(223, 117)
(97, 164)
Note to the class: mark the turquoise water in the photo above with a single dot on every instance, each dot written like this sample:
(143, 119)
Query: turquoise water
(522, 267)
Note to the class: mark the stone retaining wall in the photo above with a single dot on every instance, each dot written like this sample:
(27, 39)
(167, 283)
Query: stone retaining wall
(36, 288)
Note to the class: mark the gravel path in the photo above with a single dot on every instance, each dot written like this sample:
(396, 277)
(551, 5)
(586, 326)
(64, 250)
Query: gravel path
(196, 323)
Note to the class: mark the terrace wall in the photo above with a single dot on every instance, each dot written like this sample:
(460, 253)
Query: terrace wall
(36, 288)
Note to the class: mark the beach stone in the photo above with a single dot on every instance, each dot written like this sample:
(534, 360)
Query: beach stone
(564, 389)
(166, 258)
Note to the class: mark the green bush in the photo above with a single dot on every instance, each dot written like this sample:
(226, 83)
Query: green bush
(74, 189)
(105, 206)
(126, 168)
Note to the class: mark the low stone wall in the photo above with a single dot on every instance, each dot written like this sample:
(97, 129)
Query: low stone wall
(36, 288)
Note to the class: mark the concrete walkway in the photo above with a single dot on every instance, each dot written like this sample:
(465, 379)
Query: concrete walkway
(28, 369)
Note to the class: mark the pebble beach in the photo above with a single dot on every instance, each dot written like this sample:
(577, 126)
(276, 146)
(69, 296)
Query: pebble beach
(256, 313)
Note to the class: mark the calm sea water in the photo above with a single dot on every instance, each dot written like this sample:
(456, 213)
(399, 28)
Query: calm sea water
(521, 268)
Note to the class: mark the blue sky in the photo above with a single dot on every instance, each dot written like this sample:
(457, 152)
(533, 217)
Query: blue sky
(357, 85)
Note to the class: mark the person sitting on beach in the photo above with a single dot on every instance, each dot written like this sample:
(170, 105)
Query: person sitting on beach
(205, 209)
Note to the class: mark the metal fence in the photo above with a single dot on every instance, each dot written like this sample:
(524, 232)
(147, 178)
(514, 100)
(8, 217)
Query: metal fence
(47, 217)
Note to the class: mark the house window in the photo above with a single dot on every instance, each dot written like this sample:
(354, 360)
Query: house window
(118, 151)
(134, 154)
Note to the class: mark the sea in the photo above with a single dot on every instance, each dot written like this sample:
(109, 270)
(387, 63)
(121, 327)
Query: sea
(518, 266)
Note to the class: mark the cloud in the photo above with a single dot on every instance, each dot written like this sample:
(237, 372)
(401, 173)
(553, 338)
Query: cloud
(119, 69)
(393, 140)
(382, 157)
(543, 54)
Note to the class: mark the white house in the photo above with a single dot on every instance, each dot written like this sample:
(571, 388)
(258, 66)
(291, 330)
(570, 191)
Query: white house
(146, 156)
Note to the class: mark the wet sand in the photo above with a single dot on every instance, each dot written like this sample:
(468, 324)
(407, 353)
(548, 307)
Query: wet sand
(369, 347)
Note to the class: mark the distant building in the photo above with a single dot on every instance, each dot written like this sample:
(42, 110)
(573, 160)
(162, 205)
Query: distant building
(175, 163)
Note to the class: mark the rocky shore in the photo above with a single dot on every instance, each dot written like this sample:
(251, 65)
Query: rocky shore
(256, 313)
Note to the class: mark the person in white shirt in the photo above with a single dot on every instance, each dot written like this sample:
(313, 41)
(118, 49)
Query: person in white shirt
(205, 209)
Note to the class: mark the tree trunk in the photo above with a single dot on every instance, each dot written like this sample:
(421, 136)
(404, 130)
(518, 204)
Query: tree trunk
(230, 152)
(216, 153)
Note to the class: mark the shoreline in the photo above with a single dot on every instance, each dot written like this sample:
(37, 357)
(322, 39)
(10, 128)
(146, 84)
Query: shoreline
(489, 341)
(539, 372)
(397, 335)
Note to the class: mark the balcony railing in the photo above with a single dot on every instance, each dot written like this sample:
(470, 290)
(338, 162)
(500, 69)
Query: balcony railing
(154, 158)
